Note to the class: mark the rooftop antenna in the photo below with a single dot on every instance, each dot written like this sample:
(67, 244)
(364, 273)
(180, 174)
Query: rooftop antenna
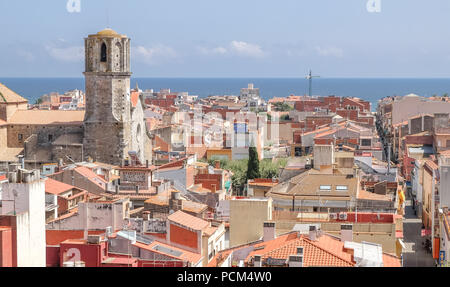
(310, 78)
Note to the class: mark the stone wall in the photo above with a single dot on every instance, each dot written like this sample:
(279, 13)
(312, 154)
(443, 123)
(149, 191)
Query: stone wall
(46, 133)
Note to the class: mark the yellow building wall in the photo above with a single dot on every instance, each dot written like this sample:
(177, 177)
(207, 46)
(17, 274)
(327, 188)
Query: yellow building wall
(247, 219)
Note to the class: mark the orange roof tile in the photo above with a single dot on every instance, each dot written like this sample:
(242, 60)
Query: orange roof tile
(65, 216)
(56, 187)
(323, 252)
(91, 176)
(363, 194)
(432, 165)
(134, 98)
(185, 255)
(188, 220)
(9, 96)
(55, 237)
(43, 117)
(192, 206)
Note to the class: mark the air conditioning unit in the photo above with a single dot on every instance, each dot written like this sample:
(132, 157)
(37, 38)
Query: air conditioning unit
(333, 216)
(342, 216)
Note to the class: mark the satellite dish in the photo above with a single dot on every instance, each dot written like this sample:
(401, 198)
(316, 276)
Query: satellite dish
(210, 170)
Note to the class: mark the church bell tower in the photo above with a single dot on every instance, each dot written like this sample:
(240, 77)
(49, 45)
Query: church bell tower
(107, 122)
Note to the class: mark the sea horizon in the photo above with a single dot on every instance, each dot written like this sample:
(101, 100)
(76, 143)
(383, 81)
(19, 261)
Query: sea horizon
(370, 89)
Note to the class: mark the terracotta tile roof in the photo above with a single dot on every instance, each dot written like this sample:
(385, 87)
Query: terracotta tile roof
(210, 230)
(194, 207)
(326, 251)
(432, 165)
(219, 258)
(65, 216)
(391, 261)
(55, 237)
(134, 98)
(42, 117)
(188, 220)
(10, 154)
(9, 96)
(363, 194)
(160, 199)
(119, 261)
(185, 255)
(91, 176)
(56, 187)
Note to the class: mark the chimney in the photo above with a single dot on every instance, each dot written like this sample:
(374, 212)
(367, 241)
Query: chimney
(346, 232)
(312, 232)
(257, 261)
(269, 231)
(146, 163)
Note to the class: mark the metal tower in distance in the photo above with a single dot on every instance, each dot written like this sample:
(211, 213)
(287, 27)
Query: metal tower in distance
(310, 78)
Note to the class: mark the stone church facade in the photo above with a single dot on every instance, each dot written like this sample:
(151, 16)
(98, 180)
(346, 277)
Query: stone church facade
(110, 129)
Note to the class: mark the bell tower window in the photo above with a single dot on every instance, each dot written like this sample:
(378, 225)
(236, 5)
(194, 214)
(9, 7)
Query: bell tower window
(103, 57)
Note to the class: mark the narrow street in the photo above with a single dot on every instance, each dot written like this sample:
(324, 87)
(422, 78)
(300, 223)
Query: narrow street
(415, 254)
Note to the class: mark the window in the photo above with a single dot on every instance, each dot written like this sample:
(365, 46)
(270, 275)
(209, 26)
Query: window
(103, 56)
(341, 187)
(20, 137)
(366, 142)
(50, 138)
(325, 187)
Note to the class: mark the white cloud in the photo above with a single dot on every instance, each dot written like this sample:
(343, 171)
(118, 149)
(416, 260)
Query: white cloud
(330, 52)
(155, 54)
(238, 48)
(212, 51)
(68, 54)
(246, 49)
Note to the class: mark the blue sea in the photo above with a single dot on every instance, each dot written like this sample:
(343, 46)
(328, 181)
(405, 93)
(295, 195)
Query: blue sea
(367, 89)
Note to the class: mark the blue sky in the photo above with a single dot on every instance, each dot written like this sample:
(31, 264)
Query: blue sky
(233, 38)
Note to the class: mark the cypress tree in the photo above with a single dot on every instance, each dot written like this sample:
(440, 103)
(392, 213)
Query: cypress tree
(253, 164)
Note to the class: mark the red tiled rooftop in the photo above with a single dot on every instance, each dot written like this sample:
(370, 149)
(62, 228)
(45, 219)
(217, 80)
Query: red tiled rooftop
(91, 176)
(188, 220)
(185, 255)
(65, 216)
(56, 187)
(55, 237)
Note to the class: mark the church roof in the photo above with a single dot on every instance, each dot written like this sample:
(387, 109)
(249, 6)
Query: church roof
(43, 117)
(9, 96)
(108, 33)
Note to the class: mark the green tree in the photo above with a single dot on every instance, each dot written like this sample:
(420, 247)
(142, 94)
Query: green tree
(282, 107)
(253, 164)
(38, 101)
